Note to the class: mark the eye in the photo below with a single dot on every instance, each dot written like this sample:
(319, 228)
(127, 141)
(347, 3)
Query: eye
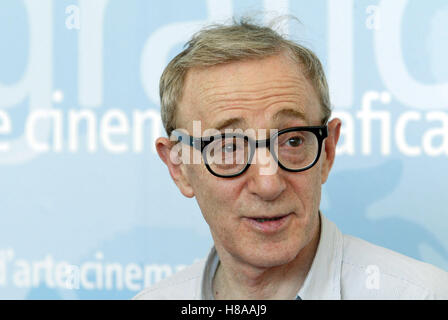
(294, 141)
(229, 148)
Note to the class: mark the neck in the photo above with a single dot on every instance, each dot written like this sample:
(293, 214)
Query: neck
(241, 281)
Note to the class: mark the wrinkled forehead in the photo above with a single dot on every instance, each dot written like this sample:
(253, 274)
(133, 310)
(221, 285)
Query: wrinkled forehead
(265, 93)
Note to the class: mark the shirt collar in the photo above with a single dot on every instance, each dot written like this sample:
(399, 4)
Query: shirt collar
(323, 280)
(211, 265)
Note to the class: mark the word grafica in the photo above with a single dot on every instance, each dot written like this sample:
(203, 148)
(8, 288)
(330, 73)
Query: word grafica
(232, 309)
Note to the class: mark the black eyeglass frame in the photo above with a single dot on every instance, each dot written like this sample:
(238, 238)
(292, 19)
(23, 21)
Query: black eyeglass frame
(200, 143)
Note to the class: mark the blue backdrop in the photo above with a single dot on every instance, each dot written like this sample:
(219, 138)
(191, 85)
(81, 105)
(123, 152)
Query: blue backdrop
(89, 210)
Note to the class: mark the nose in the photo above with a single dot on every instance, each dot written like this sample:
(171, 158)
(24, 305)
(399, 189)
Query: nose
(265, 179)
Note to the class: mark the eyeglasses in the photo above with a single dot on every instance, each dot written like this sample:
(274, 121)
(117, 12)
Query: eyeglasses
(228, 155)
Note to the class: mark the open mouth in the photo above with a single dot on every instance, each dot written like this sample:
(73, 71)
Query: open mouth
(269, 225)
(268, 219)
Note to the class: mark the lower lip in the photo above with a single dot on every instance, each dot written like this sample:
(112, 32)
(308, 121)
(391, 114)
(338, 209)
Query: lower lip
(270, 226)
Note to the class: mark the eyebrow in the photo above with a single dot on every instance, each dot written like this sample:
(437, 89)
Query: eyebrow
(289, 113)
(232, 122)
(238, 122)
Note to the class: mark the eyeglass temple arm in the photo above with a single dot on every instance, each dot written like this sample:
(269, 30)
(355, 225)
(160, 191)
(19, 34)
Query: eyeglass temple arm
(187, 139)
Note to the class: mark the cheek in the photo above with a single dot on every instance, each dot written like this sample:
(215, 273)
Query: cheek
(215, 196)
(307, 188)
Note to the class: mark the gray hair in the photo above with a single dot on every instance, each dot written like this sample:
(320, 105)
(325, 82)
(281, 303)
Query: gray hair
(242, 40)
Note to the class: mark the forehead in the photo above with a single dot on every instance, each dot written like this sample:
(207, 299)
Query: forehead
(257, 93)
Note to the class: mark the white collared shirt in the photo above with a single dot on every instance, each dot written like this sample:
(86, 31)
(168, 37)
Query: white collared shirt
(344, 267)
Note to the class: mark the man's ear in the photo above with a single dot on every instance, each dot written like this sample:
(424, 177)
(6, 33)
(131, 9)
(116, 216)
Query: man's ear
(329, 152)
(171, 156)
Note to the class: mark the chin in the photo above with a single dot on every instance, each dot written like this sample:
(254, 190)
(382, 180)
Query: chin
(271, 256)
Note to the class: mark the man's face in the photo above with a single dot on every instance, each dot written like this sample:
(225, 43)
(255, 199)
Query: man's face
(271, 93)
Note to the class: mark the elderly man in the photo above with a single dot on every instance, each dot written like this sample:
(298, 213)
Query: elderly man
(256, 170)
